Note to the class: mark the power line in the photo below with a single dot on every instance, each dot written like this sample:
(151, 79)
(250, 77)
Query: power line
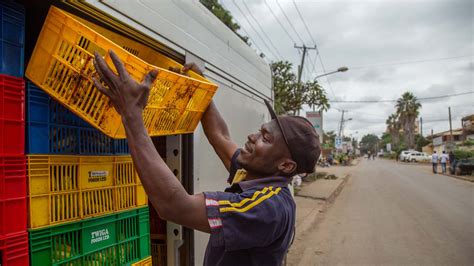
(289, 22)
(411, 62)
(310, 35)
(304, 22)
(391, 101)
(264, 33)
(247, 34)
(313, 63)
(279, 22)
(256, 32)
(317, 49)
(294, 30)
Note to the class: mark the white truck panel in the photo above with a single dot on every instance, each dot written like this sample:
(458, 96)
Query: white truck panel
(243, 77)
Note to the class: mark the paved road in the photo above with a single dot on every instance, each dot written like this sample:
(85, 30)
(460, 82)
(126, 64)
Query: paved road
(395, 214)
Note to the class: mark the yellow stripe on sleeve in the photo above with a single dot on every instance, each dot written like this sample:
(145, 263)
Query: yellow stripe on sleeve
(241, 203)
(251, 205)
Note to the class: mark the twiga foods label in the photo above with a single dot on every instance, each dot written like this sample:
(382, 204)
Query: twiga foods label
(98, 176)
(99, 235)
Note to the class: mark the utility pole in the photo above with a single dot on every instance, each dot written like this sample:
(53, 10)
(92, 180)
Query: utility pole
(341, 124)
(450, 125)
(303, 56)
(300, 67)
(421, 126)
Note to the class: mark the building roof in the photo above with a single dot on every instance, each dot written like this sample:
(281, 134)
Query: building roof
(457, 131)
(468, 117)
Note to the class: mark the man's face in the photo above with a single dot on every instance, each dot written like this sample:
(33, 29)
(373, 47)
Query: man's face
(264, 150)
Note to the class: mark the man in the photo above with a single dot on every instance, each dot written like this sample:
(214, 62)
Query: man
(434, 161)
(252, 222)
(444, 160)
(451, 159)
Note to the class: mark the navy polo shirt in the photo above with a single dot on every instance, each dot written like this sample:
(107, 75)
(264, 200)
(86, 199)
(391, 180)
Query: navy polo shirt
(252, 222)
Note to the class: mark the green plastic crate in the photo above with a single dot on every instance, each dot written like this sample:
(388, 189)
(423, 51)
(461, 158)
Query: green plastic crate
(118, 239)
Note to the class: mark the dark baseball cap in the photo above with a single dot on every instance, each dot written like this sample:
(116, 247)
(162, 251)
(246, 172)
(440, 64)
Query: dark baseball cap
(301, 139)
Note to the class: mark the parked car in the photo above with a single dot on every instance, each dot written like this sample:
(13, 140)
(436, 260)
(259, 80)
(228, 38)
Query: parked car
(462, 167)
(418, 157)
(403, 155)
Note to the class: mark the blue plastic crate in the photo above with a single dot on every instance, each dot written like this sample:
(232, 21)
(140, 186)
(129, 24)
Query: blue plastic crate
(53, 129)
(12, 38)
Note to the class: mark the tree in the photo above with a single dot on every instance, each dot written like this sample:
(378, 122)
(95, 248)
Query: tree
(386, 139)
(393, 126)
(368, 143)
(223, 15)
(408, 109)
(290, 96)
(330, 138)
(421, 142)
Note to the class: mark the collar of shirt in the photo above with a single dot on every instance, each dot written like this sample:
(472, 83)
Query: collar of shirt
(274, 181)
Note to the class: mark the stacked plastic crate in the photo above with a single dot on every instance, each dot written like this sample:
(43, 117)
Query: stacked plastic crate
(87, 204)
(13, 193)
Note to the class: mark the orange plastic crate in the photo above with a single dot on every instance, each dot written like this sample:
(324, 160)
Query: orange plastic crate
(62, 65)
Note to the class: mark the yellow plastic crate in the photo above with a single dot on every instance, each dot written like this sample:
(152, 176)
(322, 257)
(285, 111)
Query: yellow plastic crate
(142, 51)
(62, 65)
(69, 188)
(144, 262)
(158, 254)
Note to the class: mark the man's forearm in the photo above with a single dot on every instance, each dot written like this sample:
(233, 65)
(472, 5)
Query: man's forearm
(218, 134)
(213, 123)
(161, 185)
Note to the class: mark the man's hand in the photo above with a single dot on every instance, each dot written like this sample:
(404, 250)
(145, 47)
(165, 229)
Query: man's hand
(193, 67)
(127, 96)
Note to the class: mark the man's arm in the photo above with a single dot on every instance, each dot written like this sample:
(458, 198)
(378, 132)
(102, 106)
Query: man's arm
(165, 192)
(218, 135)
(216, 129)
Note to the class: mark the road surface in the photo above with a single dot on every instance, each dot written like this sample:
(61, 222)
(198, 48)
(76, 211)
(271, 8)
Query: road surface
(394, 214)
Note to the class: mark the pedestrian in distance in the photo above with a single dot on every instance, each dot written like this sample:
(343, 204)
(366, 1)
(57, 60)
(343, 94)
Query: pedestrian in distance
(444, 159)
(253, 221)
(434, 161)
(451, 159)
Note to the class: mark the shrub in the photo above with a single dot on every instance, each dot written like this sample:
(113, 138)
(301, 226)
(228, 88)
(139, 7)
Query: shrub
(460, 154)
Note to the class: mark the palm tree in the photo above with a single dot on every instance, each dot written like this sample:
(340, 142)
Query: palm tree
(408, 109)
(393, 126)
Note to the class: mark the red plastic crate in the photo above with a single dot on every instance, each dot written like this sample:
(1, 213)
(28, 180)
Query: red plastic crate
(12, 115)
(14, 250)
(13, 195)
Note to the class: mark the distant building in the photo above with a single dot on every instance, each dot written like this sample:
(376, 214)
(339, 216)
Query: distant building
(442, 141)
(467, 123)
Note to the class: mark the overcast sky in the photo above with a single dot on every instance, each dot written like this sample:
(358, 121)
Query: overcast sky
(390, 47)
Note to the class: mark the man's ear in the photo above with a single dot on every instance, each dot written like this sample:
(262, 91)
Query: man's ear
(287, 166)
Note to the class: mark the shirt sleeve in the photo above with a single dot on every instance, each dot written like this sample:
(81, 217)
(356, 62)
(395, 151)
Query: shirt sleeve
(234, 166)
(246, 220)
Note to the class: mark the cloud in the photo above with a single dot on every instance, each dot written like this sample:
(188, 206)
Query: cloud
(384, 44)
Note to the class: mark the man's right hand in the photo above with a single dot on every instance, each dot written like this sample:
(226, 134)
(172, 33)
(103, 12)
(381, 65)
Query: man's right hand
(192, 66)
(215, 128)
